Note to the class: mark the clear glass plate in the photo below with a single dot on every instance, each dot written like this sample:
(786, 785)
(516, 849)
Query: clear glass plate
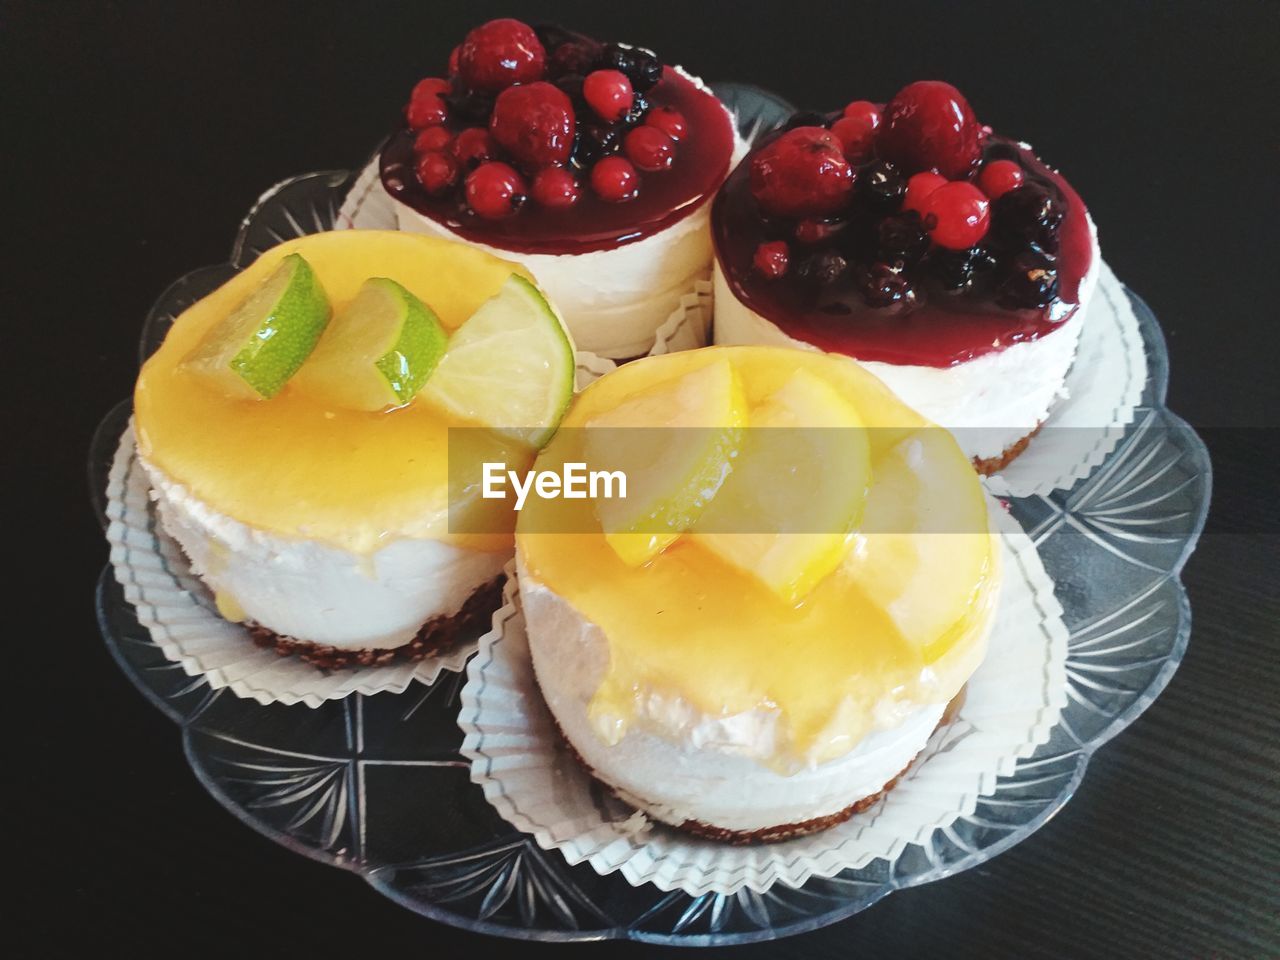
(376, 784)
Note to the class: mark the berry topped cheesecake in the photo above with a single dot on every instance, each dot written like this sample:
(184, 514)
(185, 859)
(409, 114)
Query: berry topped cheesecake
(296, 427)
(758, 638)
(591, 163)
(949, 260)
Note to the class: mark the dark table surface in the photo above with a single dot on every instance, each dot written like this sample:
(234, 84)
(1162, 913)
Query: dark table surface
(137, 134)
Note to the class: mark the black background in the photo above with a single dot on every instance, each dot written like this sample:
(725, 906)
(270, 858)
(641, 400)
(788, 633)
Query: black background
(135, 136)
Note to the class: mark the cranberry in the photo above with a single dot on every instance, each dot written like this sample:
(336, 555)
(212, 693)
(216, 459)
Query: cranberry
(555, 187)
(669, 120)
(499, 53)
(432, 138)
(437, 171)
(999, 177)
(771, 259)
(929, 125)
(649, 148)
(495, 190)
(956, 215)
(812, 230)
(534, 122)
(608, 93)
(615, 179)
(453, 60)
(426, 104)
(856, 130)
(919, 187)
(802, 173)
(474, 146)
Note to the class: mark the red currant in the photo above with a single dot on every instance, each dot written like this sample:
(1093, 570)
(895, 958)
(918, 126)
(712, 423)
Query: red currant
(919, 186)
(453, 60)
(432, 138)
(555, 187)
(929, 125)
(499, 53)
(999, 177)
(534, 123)
(957, 215)
(437, 171)
(667, 119)
(856, 130)
(649, 148)
(495, 190)
(474, 146)
(615, 179)
(608, 93)
(426, 104)
(802, 173)
(772, 259)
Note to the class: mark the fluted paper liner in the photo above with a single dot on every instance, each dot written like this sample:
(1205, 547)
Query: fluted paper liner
(1010, 706)
(178, 611)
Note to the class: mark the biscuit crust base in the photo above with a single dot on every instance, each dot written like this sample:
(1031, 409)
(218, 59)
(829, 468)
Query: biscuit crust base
(991, 465)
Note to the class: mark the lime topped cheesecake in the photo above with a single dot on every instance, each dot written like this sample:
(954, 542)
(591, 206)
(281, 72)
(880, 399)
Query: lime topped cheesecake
(761, 636)
(295, 428)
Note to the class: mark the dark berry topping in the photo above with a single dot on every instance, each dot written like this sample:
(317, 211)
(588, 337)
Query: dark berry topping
(595, 140)
(1032, 281)
(470, 108)
(473, 146)
(500, 53)
(856, 130)
(669, 120)
(639, 109)
(495, 190)
(919, 186)
(956, 215)
(555, 187)
(615, 179)
(432, 138)
(771, 259)
(902, 239)
(812, 230)
(802, 173)
(823, 269)
(608, 93)
(427, 107)
(882, 187)
(1029, 215)
(884, 286)
(437, 171)
(642, 67)
(649, 148)
(534, 123)
(957, 271)
(929, 125)
(998, 177)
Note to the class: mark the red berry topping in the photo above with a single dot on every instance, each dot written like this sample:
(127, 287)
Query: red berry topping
(856, 130)
(437, 171)
(426, 104)
(999, 177)
(929, 125)
(608, 93)
(957, 215)
(667, 119)
(771, 259)
(432, 138)
(534, 123)
(495, 190)
(811, 230)
(649, 148)
(499, 53)
(919, 187)
(615, 179)
(453, 60)
(555, 187)
(474, 146)
(802, 173)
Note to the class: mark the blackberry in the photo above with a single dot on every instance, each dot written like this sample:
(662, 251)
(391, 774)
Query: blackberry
(1031, 281)
(883, 286)
(593, 141)
(642, 67)
(902, 238)
(471, 108)
(571, 84)
(823, 269)
(1031, 214)
(882, 186)
(639, 107)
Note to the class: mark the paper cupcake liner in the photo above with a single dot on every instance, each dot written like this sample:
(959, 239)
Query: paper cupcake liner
(1011, 704)
(178, 611)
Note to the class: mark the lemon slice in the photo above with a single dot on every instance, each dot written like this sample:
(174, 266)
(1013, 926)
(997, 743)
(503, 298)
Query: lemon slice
(509, 367)
(787, 512)
(377, 352)
(254, 350)
(674, 443)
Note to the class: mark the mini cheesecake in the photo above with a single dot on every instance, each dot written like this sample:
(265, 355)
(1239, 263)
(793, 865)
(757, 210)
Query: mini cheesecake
(948, 260)
(592, 164)
(317, 518)
(810, 581)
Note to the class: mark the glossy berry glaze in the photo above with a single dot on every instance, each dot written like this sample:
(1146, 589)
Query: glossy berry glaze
(832, 296)
(569, 217)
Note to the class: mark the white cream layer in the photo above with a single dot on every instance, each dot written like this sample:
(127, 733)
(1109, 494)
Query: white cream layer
(990, 402)
(315, 592)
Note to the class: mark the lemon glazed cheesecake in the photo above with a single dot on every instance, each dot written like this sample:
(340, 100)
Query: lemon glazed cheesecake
(759, 638)
(295, 427)
(591, 163)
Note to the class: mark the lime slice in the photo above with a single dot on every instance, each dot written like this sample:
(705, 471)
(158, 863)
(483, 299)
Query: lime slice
(377, 352)
(673, 442)
(787, 512)
(509, 367)
(261, 344)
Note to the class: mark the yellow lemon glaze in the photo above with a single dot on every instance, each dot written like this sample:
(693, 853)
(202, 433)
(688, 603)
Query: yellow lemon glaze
(296, 465)
(854, 655)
